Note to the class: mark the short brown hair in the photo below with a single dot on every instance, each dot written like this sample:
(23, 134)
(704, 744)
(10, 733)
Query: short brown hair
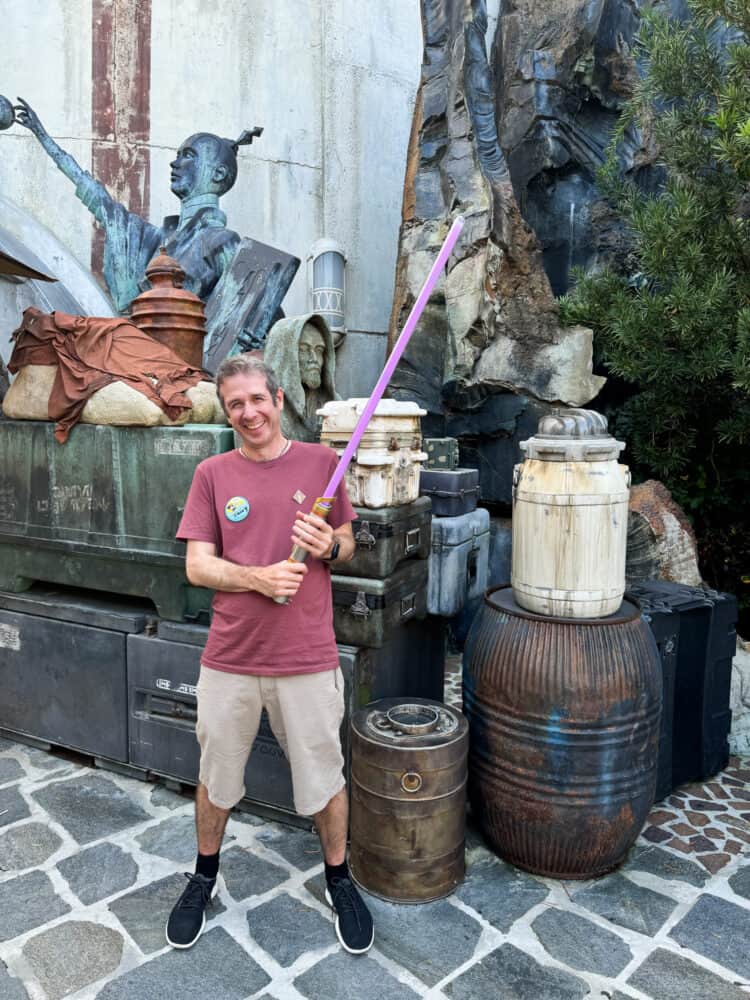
(246, 364)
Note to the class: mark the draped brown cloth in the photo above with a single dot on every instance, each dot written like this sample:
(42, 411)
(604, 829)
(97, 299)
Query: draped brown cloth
(90, 352)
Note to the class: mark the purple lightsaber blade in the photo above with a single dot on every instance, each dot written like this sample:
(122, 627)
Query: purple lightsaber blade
(398, 349)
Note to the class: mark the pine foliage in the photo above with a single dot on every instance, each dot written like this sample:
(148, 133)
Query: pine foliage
(677, 328)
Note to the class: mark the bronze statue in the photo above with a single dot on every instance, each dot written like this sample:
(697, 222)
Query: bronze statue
(204, 168)
(300, 350)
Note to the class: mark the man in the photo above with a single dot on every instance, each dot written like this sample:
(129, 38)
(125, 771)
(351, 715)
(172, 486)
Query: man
(241, 518)
(204, 168)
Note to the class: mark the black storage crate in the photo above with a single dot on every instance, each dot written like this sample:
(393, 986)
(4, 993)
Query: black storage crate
(703, 671)
(63, 669)
(385, 537)
(163, 673)
(365, 611)
(452, 491)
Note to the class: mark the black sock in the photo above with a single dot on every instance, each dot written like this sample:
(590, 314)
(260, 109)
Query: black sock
(336, 871)
(207, 865)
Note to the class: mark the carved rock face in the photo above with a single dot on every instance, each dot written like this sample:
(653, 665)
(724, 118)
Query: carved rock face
(492, 327)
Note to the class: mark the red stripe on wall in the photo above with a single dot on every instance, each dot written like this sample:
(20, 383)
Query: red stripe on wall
(120, 106)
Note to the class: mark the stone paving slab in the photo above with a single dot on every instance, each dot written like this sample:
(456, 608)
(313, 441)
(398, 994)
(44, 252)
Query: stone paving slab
(216, 968)
(13, 806)
(27, 846)
(513, 975)
(713, 927)
(90, 807)
(98, 872)
(99, 887)
(667, 976)
(336, 977)
(72, 955)
(500, 892)
(581, 944)
(286, 928)
(26, 902)
(626, 904)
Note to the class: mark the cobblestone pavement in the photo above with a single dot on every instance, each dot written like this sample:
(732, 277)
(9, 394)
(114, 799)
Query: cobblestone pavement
(91, 862)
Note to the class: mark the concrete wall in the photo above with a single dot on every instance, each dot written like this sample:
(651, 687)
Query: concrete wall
(332, 82)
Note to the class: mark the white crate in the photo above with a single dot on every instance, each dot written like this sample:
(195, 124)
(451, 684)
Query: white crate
(385, 469)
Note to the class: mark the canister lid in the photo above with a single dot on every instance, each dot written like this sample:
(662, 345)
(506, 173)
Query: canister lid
(572, 435)
(409, 722)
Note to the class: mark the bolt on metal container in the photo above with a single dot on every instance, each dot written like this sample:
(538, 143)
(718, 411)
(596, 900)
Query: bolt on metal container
(570, 518)
(170, 313)
(408, 799)
(564, 717)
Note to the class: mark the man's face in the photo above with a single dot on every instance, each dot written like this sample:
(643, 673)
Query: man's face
(252, 411)
(193, 170)
(312, 352)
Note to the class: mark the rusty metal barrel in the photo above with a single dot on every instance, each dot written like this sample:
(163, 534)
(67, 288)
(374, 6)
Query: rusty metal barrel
(408, 799)
(564, 728)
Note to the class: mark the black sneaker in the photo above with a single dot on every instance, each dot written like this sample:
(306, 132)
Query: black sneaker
(187, 919)
(354, 927)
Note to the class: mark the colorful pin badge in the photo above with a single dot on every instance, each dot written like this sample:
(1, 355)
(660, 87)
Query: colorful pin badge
(237, 509)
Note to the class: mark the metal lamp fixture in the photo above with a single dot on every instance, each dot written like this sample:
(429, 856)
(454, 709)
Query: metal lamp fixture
(327, 284)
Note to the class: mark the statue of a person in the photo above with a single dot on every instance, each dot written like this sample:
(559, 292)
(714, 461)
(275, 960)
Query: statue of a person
(300, 350)
(204, 168)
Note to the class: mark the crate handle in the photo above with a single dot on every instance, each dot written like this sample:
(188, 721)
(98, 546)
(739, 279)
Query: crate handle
(359, 608)
(408, 605)
(412, 540)
(363, 538)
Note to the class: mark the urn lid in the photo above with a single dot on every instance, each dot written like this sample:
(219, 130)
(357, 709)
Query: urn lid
(572, 435)
(164, 270)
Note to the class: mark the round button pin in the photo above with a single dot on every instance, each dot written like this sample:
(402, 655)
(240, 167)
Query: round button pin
(237, 509)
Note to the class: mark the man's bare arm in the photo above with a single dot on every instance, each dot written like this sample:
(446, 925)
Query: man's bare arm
(205, 569)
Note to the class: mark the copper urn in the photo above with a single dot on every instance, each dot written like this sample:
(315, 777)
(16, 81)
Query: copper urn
(170, 313)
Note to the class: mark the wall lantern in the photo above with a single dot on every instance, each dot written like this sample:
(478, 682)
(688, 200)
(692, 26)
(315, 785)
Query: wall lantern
(327, 283)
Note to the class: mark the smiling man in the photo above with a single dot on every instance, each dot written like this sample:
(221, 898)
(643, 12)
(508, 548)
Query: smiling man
(204, 168)
(244, 511)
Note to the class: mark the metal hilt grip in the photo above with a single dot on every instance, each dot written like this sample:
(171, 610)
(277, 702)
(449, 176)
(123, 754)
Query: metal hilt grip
(321, 507)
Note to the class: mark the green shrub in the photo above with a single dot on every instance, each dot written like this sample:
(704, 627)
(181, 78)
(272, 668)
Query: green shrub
(676, 329)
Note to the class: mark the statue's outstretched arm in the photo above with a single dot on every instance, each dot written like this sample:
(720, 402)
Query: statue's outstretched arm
(26, 116)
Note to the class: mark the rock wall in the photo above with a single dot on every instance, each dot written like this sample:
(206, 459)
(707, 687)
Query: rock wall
(489, 355)
(563, 70)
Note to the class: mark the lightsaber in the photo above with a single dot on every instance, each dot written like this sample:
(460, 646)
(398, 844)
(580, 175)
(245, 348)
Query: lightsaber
(323, 505)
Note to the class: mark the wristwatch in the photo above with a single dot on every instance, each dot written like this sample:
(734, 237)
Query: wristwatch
(334, 553)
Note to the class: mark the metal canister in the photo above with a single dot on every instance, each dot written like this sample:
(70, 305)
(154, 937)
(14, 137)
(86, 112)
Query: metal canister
(170, 313)
(564, 717)
(408, 799)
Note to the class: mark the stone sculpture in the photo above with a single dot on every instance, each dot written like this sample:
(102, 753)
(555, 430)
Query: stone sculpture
(301, 352)
(241, 280)
(204, 168)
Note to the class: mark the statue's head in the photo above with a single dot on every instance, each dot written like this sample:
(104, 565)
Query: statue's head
(312, 353)
(207, 164)
(300, 350)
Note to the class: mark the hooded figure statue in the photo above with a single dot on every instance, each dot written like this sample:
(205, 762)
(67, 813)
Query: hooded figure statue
(300, 350)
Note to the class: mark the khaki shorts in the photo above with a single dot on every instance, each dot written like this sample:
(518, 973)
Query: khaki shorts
(305, 712)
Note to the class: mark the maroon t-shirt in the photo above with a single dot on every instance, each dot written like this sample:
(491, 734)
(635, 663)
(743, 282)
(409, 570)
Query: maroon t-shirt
(247, 510)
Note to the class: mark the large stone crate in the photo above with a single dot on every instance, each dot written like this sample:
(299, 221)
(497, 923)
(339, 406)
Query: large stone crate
(101, 511)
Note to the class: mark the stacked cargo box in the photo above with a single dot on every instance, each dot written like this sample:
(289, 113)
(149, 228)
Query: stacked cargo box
(460, 537)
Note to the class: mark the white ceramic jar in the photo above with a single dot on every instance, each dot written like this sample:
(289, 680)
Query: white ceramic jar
(570, 518)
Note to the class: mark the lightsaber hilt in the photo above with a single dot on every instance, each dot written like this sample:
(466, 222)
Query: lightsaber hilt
(321, 507)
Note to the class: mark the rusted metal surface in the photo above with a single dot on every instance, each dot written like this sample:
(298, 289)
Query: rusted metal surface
(564, 718)
(408, 799)
(169, 313)
(121, 106)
